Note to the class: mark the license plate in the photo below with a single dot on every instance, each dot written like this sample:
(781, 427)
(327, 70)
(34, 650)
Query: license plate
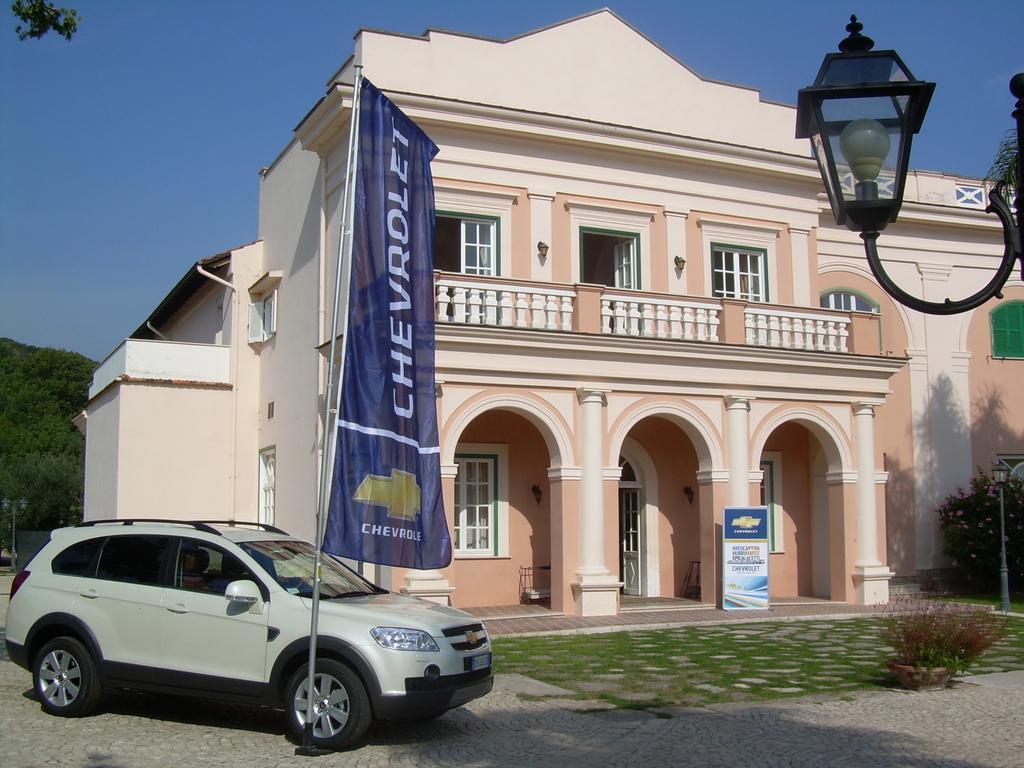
(479, 662)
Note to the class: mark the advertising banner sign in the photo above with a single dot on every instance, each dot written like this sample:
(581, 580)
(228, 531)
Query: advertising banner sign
(385, 503)
(745, 558)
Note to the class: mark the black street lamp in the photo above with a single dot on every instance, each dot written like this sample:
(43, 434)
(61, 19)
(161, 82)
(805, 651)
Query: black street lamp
(860, 115)
(1000, 474)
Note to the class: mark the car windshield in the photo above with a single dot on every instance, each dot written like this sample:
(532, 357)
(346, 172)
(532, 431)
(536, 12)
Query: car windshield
(290, 563)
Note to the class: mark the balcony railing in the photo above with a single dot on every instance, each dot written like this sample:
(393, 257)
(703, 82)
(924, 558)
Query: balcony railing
(143, 359)
(584, 308)
(518, 306)
(792, 329)
(659, 318)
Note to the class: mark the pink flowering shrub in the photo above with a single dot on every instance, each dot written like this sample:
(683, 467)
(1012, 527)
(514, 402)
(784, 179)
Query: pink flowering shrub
(931, 633)
(970, 523)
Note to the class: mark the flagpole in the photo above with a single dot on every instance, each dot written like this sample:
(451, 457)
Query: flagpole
(345, 247)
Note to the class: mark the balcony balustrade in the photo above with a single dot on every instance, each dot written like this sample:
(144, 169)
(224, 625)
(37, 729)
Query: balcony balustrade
(584, 308)
(659, 318)
(519, 306)
(792, 329)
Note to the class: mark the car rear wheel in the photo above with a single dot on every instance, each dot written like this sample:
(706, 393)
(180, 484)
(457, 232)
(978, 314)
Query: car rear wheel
(64, 677)
(341, 708)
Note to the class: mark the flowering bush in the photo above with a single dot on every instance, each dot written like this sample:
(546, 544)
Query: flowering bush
(970, 522)
(932, 633)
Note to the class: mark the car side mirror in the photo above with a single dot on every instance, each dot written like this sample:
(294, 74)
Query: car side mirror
(244, 592)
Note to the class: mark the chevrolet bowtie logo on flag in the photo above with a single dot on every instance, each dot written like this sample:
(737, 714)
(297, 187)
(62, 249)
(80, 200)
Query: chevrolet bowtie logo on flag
(385, 504)
(399, 494)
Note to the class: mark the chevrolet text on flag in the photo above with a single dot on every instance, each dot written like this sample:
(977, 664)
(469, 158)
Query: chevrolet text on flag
(385, 504)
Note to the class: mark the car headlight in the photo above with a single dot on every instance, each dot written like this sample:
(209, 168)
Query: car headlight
(399, 639)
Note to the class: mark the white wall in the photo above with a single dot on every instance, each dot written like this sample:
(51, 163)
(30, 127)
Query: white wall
(205, 318)
(174, 452)
(290, 228)
(101, 454)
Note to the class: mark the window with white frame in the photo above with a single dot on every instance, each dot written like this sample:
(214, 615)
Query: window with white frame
(848, 301)
(476, 505)
(262, 317)
(611, 244)
(467, 244)
(738, 273)
(771, 497)
(268, 485)
(610, 258)
(742, 258)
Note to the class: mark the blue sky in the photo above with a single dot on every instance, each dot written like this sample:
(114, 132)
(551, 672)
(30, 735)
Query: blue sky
(132, 151)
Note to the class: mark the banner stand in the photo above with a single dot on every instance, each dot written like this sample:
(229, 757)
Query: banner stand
(744, 559)
(307, 749)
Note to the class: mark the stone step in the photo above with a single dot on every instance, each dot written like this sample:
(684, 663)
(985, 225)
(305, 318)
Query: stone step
(904, 588)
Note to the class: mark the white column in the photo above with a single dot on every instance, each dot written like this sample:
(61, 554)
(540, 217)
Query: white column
(592, 401)
(871, 578)
(867, 513)
(737, 411)
(596, 591)
(540, 231)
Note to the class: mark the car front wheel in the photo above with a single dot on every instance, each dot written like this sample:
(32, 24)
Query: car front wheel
(341, 708)
(64, 676)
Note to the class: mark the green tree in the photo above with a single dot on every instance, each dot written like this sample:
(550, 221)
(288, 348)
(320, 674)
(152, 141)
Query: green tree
(41, 390)
(50, 485)
(1004, 166)
(38, 17)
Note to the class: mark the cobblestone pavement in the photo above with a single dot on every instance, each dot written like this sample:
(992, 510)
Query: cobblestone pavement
(962, 727)
(967, 725)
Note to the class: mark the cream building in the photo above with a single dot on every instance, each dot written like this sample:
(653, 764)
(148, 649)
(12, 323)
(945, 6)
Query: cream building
(645, 314)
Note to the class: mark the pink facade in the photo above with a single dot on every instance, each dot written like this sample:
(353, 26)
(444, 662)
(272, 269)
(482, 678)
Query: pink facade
(696, 334)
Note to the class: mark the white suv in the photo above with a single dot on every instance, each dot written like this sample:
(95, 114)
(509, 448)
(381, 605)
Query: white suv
(223, 611)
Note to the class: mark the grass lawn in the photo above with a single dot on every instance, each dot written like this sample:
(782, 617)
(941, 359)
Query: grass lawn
(694, 666)
(988, 598)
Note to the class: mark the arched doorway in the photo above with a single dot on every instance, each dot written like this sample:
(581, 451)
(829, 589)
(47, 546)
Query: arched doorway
(631, 530)
(659, 524)
(794, 488)
(501, 510)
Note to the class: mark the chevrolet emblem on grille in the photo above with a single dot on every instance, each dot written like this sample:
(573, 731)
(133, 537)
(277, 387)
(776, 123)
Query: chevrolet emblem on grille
(472, 637)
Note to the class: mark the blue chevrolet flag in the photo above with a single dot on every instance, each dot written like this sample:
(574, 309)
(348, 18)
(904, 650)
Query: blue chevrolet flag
(385, 505)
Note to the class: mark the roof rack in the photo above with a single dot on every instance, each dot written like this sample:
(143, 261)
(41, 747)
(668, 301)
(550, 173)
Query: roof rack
(248, 523)
(199, 526)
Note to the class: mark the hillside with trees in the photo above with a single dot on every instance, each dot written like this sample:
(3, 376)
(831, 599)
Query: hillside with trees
(41, 451)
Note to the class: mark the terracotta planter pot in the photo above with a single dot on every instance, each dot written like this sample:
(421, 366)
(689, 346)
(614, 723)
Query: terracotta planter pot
(920, 678)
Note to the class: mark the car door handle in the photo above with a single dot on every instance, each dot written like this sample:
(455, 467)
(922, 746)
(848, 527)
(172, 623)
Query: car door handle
(91, 594)
(177, 608)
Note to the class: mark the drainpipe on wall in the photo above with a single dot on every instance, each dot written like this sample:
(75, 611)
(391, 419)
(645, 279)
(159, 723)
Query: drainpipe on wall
(234, 382)
(155, 332)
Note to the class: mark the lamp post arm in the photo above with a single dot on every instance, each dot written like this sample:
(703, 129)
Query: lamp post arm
(1011, 254)
(1012, 231)
(1013, 234)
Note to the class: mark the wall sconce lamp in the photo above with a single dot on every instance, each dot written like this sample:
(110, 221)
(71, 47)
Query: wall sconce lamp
(537, 493)
(688, 493)
(680, 262)
(542, 250)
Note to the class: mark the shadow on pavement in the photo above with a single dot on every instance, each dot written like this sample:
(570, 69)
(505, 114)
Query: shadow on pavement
(953, 729)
